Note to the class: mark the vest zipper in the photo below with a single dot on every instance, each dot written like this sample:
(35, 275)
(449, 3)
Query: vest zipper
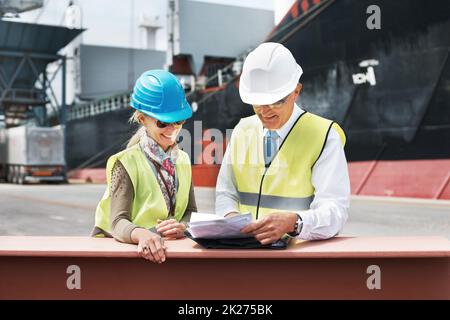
(260, 189)
(268, 165)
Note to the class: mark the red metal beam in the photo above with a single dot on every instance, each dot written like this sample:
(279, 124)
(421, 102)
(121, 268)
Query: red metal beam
(410, 268)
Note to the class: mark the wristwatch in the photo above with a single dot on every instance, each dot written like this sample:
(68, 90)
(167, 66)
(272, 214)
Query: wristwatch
(297, 227)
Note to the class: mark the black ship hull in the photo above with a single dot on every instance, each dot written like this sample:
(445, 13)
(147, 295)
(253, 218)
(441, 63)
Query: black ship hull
(400, 113)
(405, 115)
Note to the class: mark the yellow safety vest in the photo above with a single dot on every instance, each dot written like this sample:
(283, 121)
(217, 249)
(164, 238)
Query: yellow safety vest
(148, 203)
(285, 185)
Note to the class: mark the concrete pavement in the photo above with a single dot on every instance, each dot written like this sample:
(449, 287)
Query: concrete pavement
(57, 210)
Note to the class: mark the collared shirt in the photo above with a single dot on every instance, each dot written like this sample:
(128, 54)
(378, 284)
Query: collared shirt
(329, 210)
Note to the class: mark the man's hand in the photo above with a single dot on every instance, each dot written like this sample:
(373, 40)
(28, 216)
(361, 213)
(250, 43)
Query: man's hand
(272, 227)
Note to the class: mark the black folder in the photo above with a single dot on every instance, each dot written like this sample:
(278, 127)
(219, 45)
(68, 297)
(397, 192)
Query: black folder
(239, 243)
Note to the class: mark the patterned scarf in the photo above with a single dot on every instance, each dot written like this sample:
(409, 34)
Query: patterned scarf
(164, 162)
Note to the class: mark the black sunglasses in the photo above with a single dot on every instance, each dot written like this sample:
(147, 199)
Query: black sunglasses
(162, 125)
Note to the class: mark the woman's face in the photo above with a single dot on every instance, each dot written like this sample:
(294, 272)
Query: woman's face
(165, 137)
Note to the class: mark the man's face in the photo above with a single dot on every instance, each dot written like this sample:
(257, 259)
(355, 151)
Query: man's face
(274, 116)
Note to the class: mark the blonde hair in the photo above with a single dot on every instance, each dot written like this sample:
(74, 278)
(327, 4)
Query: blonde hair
(139, 132)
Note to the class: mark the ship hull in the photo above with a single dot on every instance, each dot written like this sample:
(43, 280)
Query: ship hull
(397, 122)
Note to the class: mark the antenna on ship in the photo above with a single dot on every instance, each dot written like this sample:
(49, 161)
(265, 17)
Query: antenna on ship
(172, 20)
(73, 20)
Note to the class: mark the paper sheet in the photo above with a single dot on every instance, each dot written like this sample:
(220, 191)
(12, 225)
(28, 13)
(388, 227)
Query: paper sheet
(211, 226)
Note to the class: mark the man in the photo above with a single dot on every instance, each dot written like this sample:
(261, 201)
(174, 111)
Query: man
(284, 165)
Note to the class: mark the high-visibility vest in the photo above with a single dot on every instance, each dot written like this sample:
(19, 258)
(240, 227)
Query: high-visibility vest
(285, 184)
(148, 203)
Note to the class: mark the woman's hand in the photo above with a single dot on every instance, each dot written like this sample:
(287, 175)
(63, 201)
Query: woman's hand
(171, 228)
(150, 245)
(231, 214)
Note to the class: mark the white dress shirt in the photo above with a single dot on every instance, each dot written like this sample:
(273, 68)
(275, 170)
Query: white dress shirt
(328, 211)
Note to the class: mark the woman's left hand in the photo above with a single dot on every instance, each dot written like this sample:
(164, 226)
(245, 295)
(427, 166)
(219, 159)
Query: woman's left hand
(171, 228)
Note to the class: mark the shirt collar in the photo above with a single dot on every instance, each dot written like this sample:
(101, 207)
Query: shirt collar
(284, 130)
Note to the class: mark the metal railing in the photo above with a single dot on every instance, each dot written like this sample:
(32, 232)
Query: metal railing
(85, 110)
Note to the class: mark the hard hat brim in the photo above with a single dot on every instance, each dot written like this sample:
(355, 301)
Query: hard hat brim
(169, 117)
(266, 98)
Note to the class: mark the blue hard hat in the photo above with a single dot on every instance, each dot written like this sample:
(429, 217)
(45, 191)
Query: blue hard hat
(159, 94)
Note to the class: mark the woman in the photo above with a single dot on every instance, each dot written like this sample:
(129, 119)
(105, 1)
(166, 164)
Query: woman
(150, 192)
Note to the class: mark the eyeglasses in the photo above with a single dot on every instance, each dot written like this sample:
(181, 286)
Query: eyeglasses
(274, 105)
(162, 125)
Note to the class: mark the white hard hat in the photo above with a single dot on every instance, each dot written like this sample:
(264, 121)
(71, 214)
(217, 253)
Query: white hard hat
(269, 74)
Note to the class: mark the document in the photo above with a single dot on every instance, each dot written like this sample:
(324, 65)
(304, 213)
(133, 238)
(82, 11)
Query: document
(211, 226)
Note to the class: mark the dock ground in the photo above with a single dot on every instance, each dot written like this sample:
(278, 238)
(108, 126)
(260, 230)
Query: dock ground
(58, 210)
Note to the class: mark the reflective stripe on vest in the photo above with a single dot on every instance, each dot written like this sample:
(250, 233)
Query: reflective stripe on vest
(285, 185)
(274, 202)
(148, 203)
